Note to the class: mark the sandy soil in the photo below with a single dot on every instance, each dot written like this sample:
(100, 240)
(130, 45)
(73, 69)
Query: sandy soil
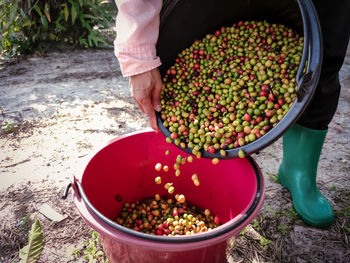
(66, 106)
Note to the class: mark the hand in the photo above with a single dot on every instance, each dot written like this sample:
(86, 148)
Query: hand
(145, 89)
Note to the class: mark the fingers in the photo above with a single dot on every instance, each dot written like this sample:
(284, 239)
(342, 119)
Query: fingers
(143, 100)
(145, 90)
(157, 87)
(140, 106)
(150, 114)
(135, 97)
(156, 97)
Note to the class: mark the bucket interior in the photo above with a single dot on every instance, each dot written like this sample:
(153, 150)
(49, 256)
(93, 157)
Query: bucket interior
(184, 21)
(124, 171)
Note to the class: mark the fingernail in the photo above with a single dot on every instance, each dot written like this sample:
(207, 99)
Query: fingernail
(158, 108)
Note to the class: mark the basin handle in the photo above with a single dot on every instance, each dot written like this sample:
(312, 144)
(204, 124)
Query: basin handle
(69, 186)
(66, 191)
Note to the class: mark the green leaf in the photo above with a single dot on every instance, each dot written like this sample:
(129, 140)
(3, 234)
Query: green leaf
(36, 35)
(74, 13)
(31, 252)
(90, 37)
(44, 22)
(94, 38)
(52, 36)
(82, 42)
(23, 14)
(13, 12)
(265, 242)
(90, 16)
(37, 9)
(60, 27)
(81, 3)
(27, 23)
(66, 12)
(58, 24)
(47, 11)
(84, 24)
(100, 253)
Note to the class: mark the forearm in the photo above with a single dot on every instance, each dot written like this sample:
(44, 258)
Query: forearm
(137, 26)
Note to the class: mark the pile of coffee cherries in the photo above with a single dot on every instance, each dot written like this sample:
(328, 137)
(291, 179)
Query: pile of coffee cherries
(232, 87)
(166, 217)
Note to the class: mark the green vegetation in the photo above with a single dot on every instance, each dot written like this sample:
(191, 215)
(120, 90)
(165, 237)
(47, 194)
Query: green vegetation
(8, 127)
(265, 242)
(31, 252)
(92, 250)
(25, 220)
(25, 26)
(284, 229)
(274, 177)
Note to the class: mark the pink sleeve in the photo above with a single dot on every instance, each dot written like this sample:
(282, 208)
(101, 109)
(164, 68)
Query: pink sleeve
(137, 27)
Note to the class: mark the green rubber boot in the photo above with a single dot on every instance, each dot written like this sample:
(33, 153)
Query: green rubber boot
(301, 151)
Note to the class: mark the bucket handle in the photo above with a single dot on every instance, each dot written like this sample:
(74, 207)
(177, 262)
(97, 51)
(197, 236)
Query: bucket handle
(69, 186)
(304, 80)
(66, 190)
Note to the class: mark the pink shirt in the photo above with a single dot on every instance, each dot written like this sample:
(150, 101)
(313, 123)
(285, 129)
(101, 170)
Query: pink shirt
(137, 26)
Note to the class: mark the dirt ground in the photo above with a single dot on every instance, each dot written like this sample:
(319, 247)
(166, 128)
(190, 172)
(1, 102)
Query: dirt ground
(60, 108)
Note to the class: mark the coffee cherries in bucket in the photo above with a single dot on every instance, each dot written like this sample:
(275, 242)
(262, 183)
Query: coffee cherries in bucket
(168, 217)
(232, 87)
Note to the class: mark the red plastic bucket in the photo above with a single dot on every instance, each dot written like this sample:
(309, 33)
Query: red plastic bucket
(124, 171)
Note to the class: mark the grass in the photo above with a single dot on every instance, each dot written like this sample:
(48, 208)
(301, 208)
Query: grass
(290, 213)
(265, 242)
(274, 177)
(25, 220)
(284, 229)
(8, 127)
(91, 250)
